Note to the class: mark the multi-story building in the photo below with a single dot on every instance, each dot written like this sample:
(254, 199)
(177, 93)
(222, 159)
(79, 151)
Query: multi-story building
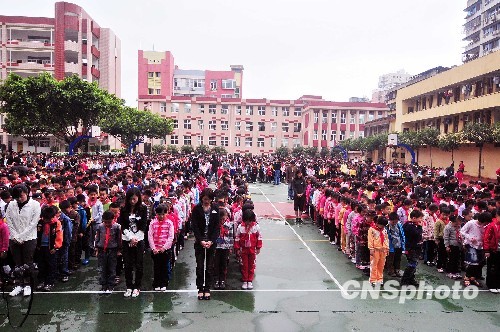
(481, 28)
(71, 43)
(388, 82)
(447, 99)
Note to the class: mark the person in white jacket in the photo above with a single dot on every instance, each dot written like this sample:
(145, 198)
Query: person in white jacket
(22, 217)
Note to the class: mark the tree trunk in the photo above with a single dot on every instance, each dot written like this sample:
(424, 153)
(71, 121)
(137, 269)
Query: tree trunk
(480, 157)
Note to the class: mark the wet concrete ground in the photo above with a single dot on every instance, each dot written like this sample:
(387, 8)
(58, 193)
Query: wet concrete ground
(298, 287)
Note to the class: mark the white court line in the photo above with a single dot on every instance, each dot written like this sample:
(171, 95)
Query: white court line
(342, 289)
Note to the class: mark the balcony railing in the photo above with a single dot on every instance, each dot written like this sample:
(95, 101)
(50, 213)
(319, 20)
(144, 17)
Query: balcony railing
(95, 72)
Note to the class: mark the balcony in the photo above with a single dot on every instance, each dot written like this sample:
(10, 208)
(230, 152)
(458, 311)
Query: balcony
(71, 67)
(33, 44)
(95, 72)
(70, 45)
(95, 52)
(30, 64)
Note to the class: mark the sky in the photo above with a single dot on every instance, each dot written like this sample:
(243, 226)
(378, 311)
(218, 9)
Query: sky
(289, 48)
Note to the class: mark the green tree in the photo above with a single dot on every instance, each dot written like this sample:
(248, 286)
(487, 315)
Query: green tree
(297, 151)
(478, 133)
(324, 152)
(282, 152)
(218, 150)
(410, 138)
(311, 151)
(449, 142)
(496, 133)
(27, 103)
(187, 149)
(158, 148)
(202, 150)
(430, 138)
(172, 149)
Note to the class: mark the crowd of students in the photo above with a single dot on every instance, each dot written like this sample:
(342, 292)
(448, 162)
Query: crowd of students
(58, 212)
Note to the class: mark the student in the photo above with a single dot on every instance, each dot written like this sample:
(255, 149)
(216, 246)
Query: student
(428, 223)
(63, 252)
(396, 236)
(413, 236)
(84, 234)
(108, 245)
(224, 244)
(248, 242)
(441, 222)
(378, 244)
(491, 243)
(453, 245)
(67, 207)
(96, 211)
(49, 241)
(161, 236)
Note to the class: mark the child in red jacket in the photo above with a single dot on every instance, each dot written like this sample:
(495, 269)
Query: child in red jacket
(50, 239)
(248, 242)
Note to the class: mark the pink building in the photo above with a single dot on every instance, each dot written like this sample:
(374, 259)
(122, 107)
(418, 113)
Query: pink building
(71, 43)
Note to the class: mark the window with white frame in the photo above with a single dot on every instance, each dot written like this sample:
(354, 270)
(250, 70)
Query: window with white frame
(249, 110)
(297, 111)
(163, 107)
(316, 117)
(213, 85)
(274, 111)
(324, 117)
(262, 126)
(352, 119)
(323, 135)
(212, 125)
(212, 140)
(224, 109)
(351, 134)
(284, 127)
(151, 91)
(333, 135)
(200, 140)
(187, 140)
(249, 126)
(342, 117)
(315, 135)
(284, 142)
(157, 74)
(274, 126)
(297, 127)
(226, 96)
(237, 125)
(201, 125)
(260, 142)
(197, 83)
(158, 91)
(361, 134)
(237, 141)
(174, 139)
(187, 124)
(248, 141)
(371, 115)
(286, 111)
(296, 142)
(380, 114)
(361, 117)
(334, 116)
(224, 141)
(229, 84)
(187, 108)
(224, 125)
(342, 135)
(262, 110)
(175, 123)
(273, 142)
(238, 110)
(201, 108)
(151, 74)
(212, 109)
(175, 107)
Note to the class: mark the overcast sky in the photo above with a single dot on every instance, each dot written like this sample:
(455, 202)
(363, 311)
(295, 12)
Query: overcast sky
(335, 49)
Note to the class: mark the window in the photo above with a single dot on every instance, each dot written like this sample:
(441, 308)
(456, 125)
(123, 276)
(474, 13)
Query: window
(284, 127)
(238, 110)
(158, 91)
(361, 134)
(224, 141)
(212, 124)
(202, 108)
(361, 117)
(342, 135)
(351, 134)
(248, 141)
(224, 125)
(249, 126)
(237, 125)
(297, 127)
(187, 140)
(286, 111)
(187, 108)
(187, 124)
(370, 116)
(296, 142)
(352, 119)
(323, 135)
(197, 83)
(175, 107)
(262, 126)
(274, 111)
(273, 142)
(163, 107)
(212, 140)
(151, 74)
(274, 126)
(249, 110)
(324, 117)
(284, 142)
(334, 117)
(212, 109)
(201, 125)
(175, 123)
(226, 96)
(224, 109)
(200, 140)
(380, 114)
(315, 135)
(151, 91)
(260, 142)
(297, 111)
(342, 117)
(316, 117)
(237, 141)
(228, 84)
(157, 74)
(213, 85)
(174, 139)
(262, 110)
(333, 135)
